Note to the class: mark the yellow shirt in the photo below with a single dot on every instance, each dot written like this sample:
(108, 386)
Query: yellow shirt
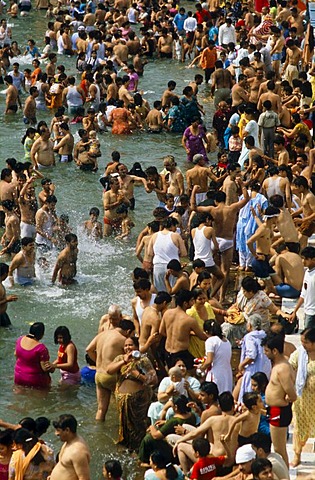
(197, 346)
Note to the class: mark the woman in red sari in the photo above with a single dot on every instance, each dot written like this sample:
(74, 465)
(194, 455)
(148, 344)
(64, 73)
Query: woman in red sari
(120, 117)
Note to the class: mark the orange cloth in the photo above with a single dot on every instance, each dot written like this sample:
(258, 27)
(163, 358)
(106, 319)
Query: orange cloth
(21, 462)
(208, 58)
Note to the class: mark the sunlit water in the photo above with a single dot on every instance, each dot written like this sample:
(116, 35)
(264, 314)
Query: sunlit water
(104, 269)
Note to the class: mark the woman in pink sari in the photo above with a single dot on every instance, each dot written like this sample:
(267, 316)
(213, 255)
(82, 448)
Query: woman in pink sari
(32, 359)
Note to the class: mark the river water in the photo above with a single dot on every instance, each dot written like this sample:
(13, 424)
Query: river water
(104, 270)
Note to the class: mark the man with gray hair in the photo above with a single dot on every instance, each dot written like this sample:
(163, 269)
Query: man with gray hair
(112, 318)
(253, 358)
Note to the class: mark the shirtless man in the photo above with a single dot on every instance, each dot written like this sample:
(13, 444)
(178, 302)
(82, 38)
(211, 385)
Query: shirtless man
(121, 51)
(230, 187)
(154, 119)
(103, 349)
(238, 93)
(45, 219)
(165, 44)
(200, 175)
(7, 188)
(263, 240)
(275, 99)
(12, 95)
(224, 221)
(296, 20)
(280, 393)
(65, 144)
(282, 154)
(127, 183)
(123, 93)
(285, 225)
(111, 319)
(254, 84)
(89, 20)
(42, 153)
(307, 223)
(11, 239)
(179, 277)
(290, 270)
(144, 298)
(66, 265)
(112, 199)
(156, 183)
(168, 94)
(176, 326)
(215, 427)
(277, 43)
(24, 264)
(48, 188)
(4, 298)
(74, 457)
(222, 83)
(293, 57)
(174, 178)
(152, 316)
(29, 112)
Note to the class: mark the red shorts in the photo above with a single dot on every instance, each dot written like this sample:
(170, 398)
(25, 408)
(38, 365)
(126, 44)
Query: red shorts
(112, 223)
(280, 416)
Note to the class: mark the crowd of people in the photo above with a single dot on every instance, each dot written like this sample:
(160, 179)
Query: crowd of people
(205, 382)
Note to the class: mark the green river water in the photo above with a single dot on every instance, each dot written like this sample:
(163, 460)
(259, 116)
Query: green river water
(104, 270)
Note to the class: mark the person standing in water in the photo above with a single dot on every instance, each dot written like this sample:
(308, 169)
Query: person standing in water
(4, 298)
(66, 264)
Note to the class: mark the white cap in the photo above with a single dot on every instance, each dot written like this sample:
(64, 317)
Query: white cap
(244, 454)
(81, 28)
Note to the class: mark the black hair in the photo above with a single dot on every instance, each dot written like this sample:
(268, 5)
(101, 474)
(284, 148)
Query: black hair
(226, 401)
(94, 211)
(308, 252)
(64, 332)
(250, 284)
(4, 269)
(250, 399)
(140, 273)
(261, 440)
(162, 297)
(261, 379)
(198, 263)
(259, 465)
(159, 459)
(309, 334)
(37, 330)
(142, 284)
(29, 424)
(213, 328)
(66, 421)
(210, 388)
(41, 425)
(181, 403)
(174, 265)
(202, 446)
(28, 441)
(273, 341)
(6, 437)
(182, 296)
(126, 325)
(114, 468)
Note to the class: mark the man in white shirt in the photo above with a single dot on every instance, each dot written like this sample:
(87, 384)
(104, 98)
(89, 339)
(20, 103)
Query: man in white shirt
(308, 289)
(190, 24)
(227, 33)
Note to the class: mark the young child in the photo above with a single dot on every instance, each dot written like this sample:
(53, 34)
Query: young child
(94, 150)
(61, 229)
(259, 382)
(27, 141)
(169, 203)
(112, 470)
(126, 223)
(153, 227)
(198, 267)
(235, 145)
(92, 227)
(249, 420)
(205, 466)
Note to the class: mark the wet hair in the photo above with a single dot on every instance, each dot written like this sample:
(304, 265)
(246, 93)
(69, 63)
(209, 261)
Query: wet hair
(154, 226)
(126, 325)
(301, 182)
(94, 211)
(11, 162)
(226, 401)
(114, 468)
(41, 425)
(140, 273)
(26, 241)
(210, 388)
(276, 201)
(273, 341)
(37, 329)
(64, 332)
(182, 296)
(201, 446)
(4, 269)
(51, 199)
(162, 297)
(250, 399)
(5, 172)
(213, 328)
(142, 284)
(159, 459)
(8, 204)
(66, 421)
(220, 196)
(261, 379)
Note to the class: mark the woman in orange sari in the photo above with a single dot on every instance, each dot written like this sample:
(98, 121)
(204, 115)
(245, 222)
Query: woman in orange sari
(32, 460)
(120, 118)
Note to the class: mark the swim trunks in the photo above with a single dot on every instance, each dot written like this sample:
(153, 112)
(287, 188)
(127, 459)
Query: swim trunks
(185, 355)
(28, 121)
(106, 381)
(224, 244)
(262, 268)
(13, 108)
(5, 320)
(65, 158)
(280, 416)
(112, 223)
(15, 247)
(87, 167)
(276, 56)
(243, 440)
